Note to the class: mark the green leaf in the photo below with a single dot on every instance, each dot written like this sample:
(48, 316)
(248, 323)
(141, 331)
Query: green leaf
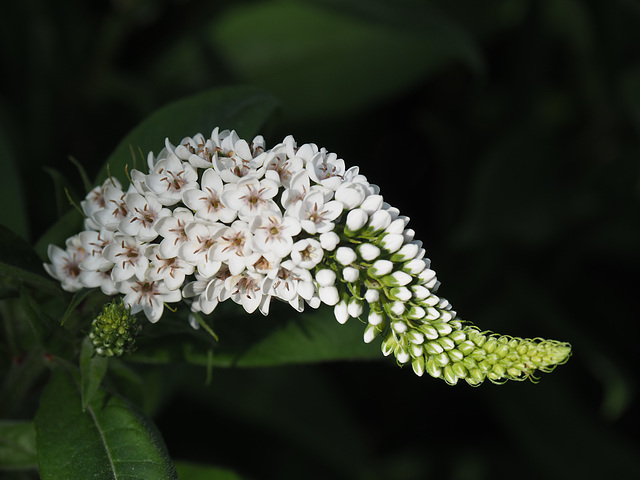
(327, 63)
(64, 194)
(69, 224)
(17, 445)
(110, 440)
(284, 337)
(76, 300)
(20, 262)
(11, 192)
(243, 109)
(20, 379)
(192, 471)
(86, 183)
(92, 370)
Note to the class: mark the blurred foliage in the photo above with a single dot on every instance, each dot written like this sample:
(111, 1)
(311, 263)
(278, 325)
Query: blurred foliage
(508, 131)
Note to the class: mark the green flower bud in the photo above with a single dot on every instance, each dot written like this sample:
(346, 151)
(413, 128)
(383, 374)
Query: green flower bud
(114, 330)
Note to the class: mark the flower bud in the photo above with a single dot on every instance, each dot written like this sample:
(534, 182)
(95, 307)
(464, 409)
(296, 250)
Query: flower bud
(356, 219)
(370, 332)
(407, 252)
(345, 255)
(340, 312)
(368, 252)
(416, 313)
(378, 221)
(326, 277)
(397, 308)
(329, 241)
(372, 204)
(402, 355)
(350, 274)
(402, 294)
(399, 327)
(426, 275)
(329, 295)
(354, 307)
(388, 345)
(372, 295)
(396, 279)
(114, 330)
(392, 242)
(380, 268)
(414, 267)
(416, 337)
(408, 234)
(418, 366)
(375, 318)
(431, 368)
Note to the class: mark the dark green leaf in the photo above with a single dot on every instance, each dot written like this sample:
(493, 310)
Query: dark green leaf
(69, 224)
(283, 337)
(109, 441)
(77, 299)
(243, 109)
(22, 375)
(192, 471)
(326, 63)
(17, 445)
(62, 187)
(11, 192)
(20, 262)
(92, 370)
(86, 183)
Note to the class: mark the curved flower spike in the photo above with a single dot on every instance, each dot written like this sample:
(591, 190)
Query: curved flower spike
(246, 223)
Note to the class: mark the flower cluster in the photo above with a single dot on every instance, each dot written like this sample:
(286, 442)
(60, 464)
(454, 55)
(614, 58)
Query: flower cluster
(217, 218)
(114, 330)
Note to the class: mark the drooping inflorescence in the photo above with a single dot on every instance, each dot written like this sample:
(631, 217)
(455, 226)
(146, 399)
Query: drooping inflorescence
(218, 218)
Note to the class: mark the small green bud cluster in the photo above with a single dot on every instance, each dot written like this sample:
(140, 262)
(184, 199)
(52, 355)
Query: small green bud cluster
(114, 330)
(375, 262)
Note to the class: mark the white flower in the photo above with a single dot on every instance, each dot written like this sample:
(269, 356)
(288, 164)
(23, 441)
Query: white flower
(172, 230)
(172, 271)
(198, 151)
(233, 245)
(326, 169)
(246, 290)
(170, 178)
(316, 216)
(148, 296)
(198, 246)
(144, 211)
(251, 197)
(97, 279)
(307, 253)
(285, 167)
(293, 196)
(115, 208)
(127, 255)
(65, 266)
(273, 233)
(208, 291)
(234, 159)
(95, 199)
(207, 201)
(93, 243)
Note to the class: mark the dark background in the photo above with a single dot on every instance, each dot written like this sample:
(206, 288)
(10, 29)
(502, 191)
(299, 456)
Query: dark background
(507, 130)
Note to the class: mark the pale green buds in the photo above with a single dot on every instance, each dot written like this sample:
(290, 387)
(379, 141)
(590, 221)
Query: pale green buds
(114, 330)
